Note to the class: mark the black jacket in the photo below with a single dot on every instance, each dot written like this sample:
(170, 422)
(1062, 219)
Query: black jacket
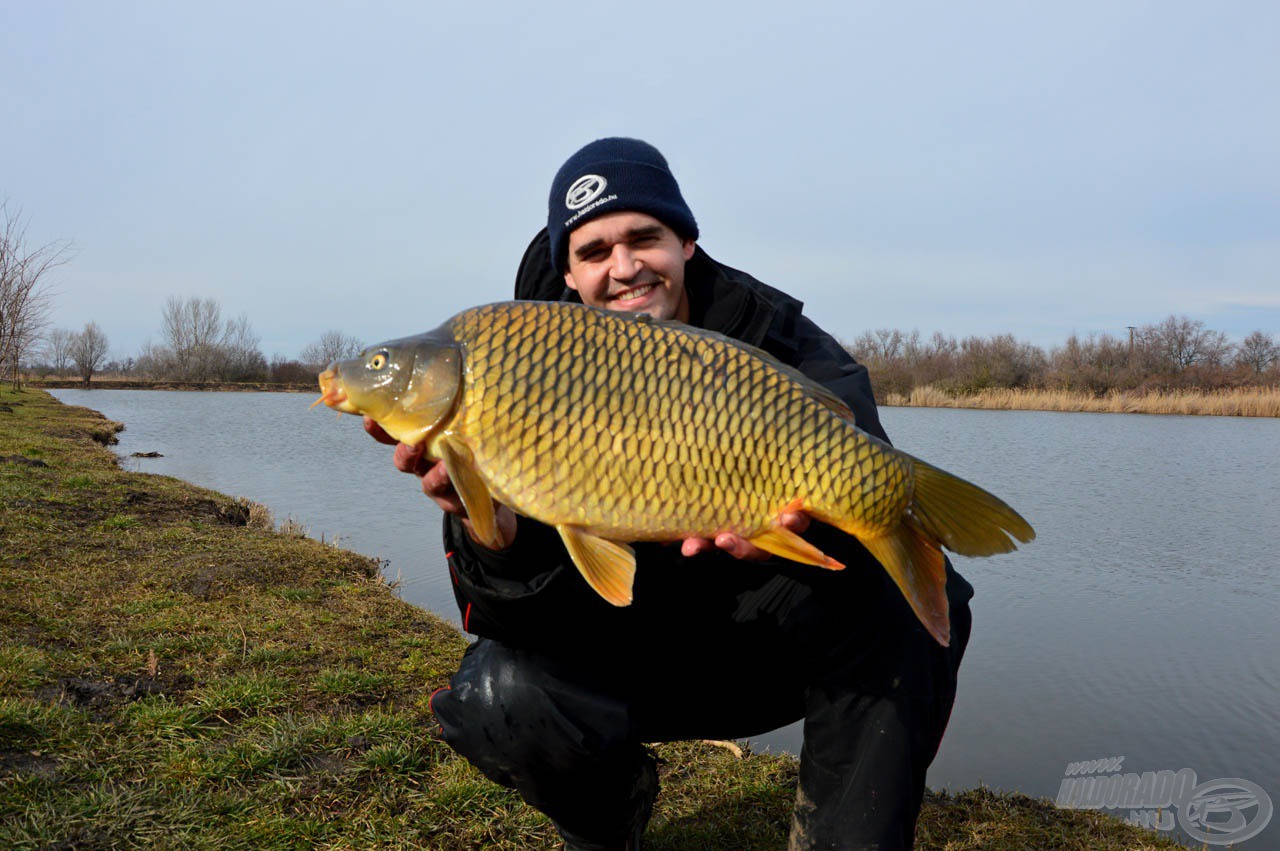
(531, 595)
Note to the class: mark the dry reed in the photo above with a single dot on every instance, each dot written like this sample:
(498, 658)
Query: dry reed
(1241, 402)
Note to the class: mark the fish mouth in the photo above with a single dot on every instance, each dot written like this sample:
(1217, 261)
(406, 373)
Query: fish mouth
(333, 393)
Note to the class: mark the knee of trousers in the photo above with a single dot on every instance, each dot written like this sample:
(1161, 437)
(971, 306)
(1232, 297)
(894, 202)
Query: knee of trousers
(512, 713)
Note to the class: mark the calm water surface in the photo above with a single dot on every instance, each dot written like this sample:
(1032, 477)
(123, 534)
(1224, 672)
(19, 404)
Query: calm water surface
(1142, 623)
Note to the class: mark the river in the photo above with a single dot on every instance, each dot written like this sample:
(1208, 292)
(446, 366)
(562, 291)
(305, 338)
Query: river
(1142, 623)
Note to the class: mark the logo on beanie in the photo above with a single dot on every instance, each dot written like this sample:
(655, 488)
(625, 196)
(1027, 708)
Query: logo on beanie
(584, 190)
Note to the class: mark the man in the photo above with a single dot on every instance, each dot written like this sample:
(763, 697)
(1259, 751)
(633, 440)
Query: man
(561, 690)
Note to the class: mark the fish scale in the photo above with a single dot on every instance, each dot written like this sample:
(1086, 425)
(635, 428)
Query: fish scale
(616, 428)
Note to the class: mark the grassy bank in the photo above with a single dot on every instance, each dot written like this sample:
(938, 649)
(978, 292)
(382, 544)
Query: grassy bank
(1242, 402)
(175, 673)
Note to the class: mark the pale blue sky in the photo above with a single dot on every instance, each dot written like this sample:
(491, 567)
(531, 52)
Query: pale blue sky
(968, 168)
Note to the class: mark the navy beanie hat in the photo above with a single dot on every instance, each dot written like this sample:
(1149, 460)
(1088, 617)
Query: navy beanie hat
(609, 176)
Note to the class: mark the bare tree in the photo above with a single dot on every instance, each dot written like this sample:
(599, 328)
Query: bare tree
(1258, 353)
(199, 345)
(57, 350)
(997, 361)
(192, 331)
(285, 371)
(333, 345)
(1179, 343)
(24, 291)
(1096, 364)
(242, 350)
(89, 350)
(154, 361)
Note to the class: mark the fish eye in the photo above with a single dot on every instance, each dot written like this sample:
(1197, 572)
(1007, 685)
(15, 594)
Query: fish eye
(378, 361)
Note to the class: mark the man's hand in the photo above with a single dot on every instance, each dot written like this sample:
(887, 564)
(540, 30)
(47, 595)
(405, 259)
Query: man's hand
(739, 547)
(437, 485)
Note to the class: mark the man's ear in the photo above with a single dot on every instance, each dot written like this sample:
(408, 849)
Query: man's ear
(689, 247)
(569, 281)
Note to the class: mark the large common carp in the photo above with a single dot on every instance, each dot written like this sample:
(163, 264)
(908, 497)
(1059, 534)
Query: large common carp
(614, 427)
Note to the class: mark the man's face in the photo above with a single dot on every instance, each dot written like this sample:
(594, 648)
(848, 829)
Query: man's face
(630, 261)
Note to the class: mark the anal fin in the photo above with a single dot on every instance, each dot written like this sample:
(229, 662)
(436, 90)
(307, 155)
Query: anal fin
(608, 567)
(781, 541)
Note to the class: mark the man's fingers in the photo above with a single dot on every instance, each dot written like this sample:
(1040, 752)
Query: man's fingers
(377, 433)
(411, 459)
(795, 521)
(734, 545)
(436, 481)
(690, 547)
(437, 485)
(739, 547)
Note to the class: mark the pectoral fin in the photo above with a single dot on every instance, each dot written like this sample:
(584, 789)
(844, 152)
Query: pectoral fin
(471, 488)
(608, 567)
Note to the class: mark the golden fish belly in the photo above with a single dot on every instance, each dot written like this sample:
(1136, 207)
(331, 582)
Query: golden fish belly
(634, 431)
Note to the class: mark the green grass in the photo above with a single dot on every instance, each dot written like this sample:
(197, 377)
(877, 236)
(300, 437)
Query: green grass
(175, 676)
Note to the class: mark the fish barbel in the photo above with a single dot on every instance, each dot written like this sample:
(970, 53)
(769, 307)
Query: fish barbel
(614, 427)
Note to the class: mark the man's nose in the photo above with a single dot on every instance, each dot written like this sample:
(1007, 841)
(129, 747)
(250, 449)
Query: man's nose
(623, 263)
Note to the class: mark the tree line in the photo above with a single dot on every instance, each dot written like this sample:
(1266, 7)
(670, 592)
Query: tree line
(1176, 353)
(197, 344)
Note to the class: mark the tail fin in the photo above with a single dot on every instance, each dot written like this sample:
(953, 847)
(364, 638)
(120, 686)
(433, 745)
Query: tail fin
(962, 516)
(945, 511)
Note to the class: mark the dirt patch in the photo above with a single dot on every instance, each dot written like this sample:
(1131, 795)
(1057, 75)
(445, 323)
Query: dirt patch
(24, 763)
(153, 506)
(105, 694)
(83, 839)
(22, 461)
(73, 517)
(209, 582)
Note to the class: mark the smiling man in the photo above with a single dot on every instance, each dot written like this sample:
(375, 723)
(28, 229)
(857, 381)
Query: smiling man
(560, 692)
(630, 261)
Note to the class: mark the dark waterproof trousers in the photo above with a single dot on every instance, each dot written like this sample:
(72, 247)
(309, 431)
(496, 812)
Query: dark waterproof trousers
(567, 734)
